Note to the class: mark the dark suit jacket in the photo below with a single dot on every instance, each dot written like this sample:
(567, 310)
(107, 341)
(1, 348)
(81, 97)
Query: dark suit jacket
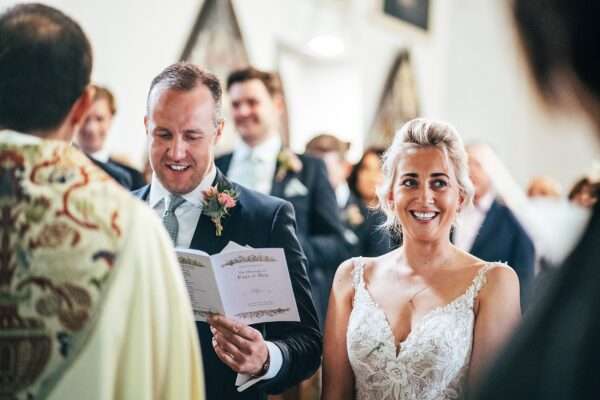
(320, 229)
(555, 352)
(501, 238)
(137, 179)
(372, 240)
(261, 221)
(115, 172)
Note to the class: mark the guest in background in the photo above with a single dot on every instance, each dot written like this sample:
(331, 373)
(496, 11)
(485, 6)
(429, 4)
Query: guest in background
(92, 136)
(543, 186)
(362, 224)
(94, 305)
(366, 175)
(555, 352)
(259, 161)
(489, 230)
(585, 193)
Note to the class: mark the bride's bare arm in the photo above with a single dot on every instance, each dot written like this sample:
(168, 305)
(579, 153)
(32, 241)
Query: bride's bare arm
(498, 313)
(338, 379)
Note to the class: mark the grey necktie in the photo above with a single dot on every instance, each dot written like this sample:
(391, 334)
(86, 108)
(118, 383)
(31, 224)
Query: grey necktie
(169, 219)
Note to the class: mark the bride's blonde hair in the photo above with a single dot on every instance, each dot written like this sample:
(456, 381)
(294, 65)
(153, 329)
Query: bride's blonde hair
(415, 134)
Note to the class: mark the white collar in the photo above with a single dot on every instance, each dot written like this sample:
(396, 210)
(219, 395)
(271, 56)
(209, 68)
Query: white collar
(485, 202)
(266, 151)
(158, 192)
(18, 138)
(100, 155)
(342, 194)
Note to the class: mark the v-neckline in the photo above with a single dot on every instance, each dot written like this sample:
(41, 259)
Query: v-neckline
(399, 345)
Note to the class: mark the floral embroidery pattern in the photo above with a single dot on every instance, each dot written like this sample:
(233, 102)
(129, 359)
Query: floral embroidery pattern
(49, 296)
(217, 204)
(287, 162)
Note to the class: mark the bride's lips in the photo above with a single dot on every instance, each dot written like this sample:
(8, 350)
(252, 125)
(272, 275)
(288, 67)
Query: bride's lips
(424, 216)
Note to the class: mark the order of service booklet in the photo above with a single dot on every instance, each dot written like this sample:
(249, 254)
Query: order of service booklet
(251, 285)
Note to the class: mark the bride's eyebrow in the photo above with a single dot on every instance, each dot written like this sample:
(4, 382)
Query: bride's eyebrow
(438, 174)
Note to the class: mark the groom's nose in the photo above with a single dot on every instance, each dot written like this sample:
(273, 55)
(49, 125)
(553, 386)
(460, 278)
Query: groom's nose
(177, 148)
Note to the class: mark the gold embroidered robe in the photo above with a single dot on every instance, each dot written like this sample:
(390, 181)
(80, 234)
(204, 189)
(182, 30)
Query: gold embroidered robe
(92, 302)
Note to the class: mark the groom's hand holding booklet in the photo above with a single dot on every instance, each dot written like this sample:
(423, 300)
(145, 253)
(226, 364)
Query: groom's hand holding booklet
(250, 285)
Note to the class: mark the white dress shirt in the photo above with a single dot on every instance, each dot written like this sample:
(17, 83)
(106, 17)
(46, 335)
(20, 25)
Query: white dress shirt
(342, 195)
(187, 216)
(188, 213)
(470, 220)
(101, 155)
(254, 167)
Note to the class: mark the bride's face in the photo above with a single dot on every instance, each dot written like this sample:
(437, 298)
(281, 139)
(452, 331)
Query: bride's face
(425, 195)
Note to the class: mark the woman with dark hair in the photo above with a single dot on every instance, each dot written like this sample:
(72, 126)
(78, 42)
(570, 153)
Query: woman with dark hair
(585, 192)
(366, 175)
(555, 353)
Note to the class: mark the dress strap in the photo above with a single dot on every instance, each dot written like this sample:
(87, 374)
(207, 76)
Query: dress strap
(480, 279)
(357, 272)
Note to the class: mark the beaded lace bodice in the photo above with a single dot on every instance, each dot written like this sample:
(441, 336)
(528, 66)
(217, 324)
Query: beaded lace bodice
(431, 363)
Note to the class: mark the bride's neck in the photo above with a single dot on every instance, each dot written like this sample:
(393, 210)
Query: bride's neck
(429, 255)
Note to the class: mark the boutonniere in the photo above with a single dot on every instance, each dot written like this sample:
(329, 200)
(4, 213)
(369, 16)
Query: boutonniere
(353, 215)
(217, 205)
(288, 162)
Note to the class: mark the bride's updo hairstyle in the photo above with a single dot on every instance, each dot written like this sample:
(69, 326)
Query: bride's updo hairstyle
(416, 134)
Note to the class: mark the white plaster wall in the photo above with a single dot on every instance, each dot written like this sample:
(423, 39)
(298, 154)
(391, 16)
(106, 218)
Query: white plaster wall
(132, 41)
(490, 98)
(466, 65)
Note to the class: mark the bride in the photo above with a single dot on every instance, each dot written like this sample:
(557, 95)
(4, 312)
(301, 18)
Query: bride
(422, 320)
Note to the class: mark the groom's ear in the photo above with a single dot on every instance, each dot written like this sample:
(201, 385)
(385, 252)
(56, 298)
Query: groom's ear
(219, 131)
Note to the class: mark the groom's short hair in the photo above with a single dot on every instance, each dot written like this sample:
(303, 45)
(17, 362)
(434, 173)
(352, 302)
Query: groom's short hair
(185, 76)
(45, 66)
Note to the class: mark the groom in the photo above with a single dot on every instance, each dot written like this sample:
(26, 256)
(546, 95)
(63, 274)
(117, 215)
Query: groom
(183, 124)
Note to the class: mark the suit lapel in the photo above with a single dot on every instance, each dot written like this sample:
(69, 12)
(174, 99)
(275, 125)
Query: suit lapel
(142, 193)
(205, 237)
(224, 162)
(277, 185)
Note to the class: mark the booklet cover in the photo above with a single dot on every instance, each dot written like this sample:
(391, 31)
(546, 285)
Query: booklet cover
(251, 285)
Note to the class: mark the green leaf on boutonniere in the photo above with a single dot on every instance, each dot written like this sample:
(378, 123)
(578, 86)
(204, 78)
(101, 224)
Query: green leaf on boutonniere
(217, 204)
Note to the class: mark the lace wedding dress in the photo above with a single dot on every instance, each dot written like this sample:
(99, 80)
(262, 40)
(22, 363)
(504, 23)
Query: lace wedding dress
(431, 363)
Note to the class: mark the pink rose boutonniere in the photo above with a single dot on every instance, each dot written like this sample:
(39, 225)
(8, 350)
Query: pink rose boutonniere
(288, 162)
(217, 205)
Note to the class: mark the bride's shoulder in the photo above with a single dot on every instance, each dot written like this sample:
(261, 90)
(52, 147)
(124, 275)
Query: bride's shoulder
(348, 271)
(500, 280)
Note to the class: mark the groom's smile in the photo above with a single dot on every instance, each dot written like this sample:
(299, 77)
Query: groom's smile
(182, 132)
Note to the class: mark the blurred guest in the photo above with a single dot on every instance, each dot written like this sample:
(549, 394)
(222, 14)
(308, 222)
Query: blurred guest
(543, 186)
(421, 321)
(585, 193)
(92, 136)
(555, 353)
(554, 224)
(363, 224)
(93, 303)
(489, 230)
(366, 176)
(261, 163)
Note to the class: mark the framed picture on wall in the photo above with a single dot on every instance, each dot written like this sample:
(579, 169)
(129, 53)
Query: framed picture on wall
(398, 104)
(415, 12)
